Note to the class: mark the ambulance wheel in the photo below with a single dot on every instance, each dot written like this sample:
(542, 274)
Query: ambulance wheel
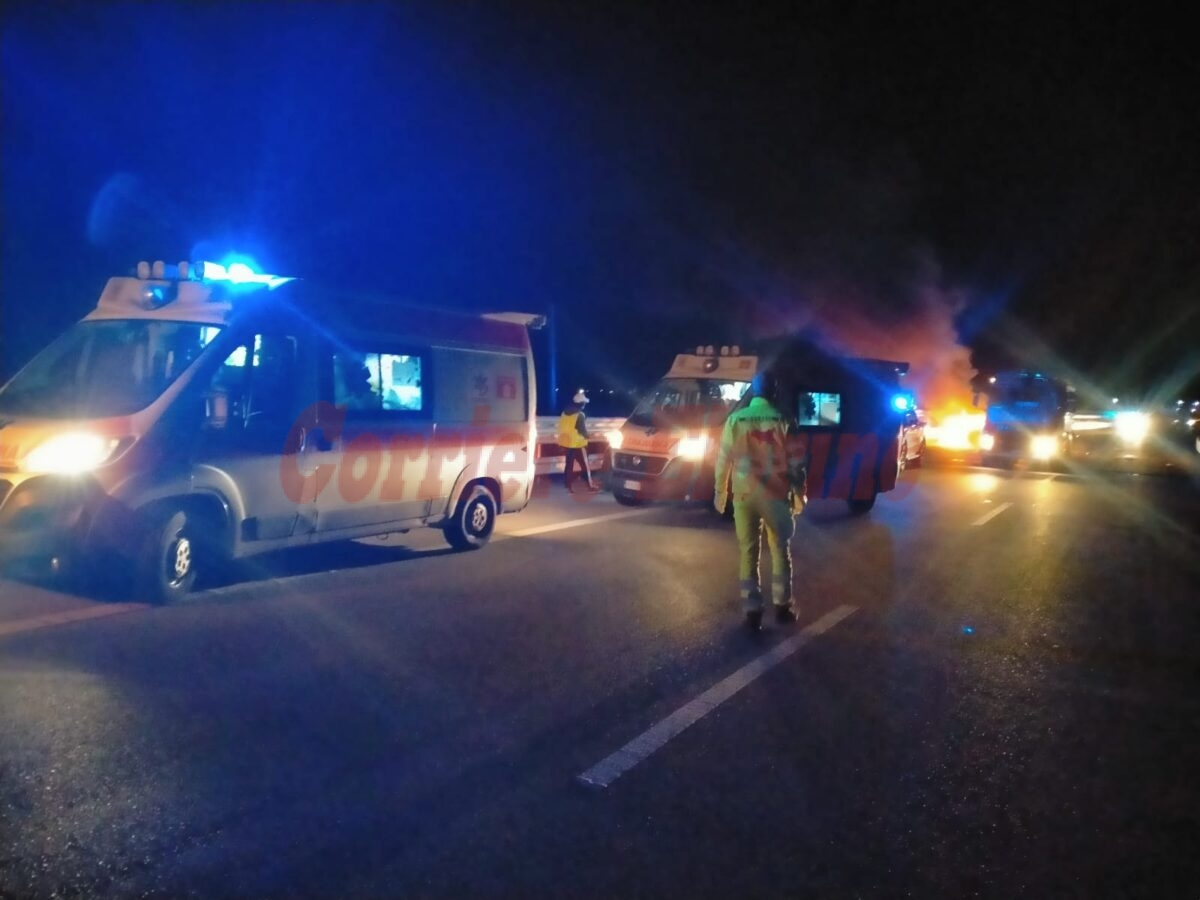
(474, 519)
(167, 569)
(861, 507)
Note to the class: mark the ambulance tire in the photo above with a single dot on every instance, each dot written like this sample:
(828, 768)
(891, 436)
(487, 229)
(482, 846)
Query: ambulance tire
(474, 519)
(861, 507)
(166, 571)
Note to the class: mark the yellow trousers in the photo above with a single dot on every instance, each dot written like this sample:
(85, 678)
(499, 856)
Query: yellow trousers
(751, 518)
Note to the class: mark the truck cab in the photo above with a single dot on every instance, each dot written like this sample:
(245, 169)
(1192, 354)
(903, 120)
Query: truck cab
(1029, 416)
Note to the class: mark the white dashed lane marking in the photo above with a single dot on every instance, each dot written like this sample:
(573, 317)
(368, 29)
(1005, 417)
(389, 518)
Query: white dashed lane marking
(987, 517)
(617, 764)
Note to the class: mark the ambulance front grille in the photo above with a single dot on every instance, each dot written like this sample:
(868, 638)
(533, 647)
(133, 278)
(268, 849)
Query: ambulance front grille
(635, 462)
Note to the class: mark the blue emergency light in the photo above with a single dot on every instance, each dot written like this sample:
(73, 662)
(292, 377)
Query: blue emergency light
(238, 273)
(902, 402)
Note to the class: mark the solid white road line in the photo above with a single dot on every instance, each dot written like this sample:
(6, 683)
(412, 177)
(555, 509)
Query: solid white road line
(614, 766)
(65, 618)
(987, 517)
(573, 523)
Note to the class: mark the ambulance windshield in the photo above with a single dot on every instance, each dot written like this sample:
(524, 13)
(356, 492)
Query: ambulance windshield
(105, 368)
(688, 402)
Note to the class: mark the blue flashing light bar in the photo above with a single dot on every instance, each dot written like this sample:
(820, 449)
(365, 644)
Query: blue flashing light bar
(238, 273)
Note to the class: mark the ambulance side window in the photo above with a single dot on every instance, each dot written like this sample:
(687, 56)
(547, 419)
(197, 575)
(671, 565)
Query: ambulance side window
(380, 382)
(255, 387)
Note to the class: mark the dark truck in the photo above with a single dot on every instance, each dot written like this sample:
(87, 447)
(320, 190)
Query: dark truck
(1028, 417)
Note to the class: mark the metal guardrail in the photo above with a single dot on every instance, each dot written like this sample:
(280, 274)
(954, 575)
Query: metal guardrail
(551, 459)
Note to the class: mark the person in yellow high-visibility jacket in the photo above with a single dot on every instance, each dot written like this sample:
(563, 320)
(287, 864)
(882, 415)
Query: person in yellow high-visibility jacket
(754, 468)
(573, 437)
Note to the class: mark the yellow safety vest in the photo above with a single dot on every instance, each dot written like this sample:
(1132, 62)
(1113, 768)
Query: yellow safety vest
(568, 431)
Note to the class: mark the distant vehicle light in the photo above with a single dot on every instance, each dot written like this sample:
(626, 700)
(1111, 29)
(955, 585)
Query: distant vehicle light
(1043, 446)
(1132, 427)
(987, 441)
(692, 448)
(615, 438)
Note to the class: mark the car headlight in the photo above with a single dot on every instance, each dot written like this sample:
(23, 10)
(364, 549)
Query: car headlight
(987, 441)
(1132, 427)
(70, 454)
(615, 438)
(1043, 446)
(693, 447)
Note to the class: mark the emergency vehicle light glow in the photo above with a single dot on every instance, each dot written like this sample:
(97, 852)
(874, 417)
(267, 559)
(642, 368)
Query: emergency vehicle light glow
(239, 273)
(901, 402)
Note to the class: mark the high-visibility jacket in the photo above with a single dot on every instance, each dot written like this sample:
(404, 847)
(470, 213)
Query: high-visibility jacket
(571, 429)
(753, 459)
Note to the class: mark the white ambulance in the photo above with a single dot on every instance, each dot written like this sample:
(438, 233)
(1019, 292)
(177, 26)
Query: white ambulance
(667, 448)
(203, 412)
(846, 422)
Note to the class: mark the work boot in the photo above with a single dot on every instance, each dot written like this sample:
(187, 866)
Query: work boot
(785, 615)
(754, 619)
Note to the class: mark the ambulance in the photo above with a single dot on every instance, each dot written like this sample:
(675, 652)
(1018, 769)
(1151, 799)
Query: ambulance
(204, 412)
(846, 417)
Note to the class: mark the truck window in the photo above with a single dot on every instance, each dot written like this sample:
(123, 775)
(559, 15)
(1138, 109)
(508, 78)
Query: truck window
(819, 409)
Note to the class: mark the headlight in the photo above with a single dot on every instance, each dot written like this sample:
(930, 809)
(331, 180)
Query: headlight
(693, 448)
(987, 441)
(1132, 427)
(1043, 446)
(615, 438)
(70, 454)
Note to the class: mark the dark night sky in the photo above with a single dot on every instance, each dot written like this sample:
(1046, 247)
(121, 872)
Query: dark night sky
(662, 175)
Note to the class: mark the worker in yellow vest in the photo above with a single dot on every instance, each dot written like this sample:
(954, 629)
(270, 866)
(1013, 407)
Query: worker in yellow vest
(573, 437)
(754, 467)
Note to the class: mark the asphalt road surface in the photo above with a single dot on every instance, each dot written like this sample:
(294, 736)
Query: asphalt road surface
(991, 691)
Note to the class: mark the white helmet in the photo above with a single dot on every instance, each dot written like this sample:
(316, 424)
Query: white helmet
(580, 397)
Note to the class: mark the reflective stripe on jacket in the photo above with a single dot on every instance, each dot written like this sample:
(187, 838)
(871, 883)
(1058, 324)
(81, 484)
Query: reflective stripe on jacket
(753, 459)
